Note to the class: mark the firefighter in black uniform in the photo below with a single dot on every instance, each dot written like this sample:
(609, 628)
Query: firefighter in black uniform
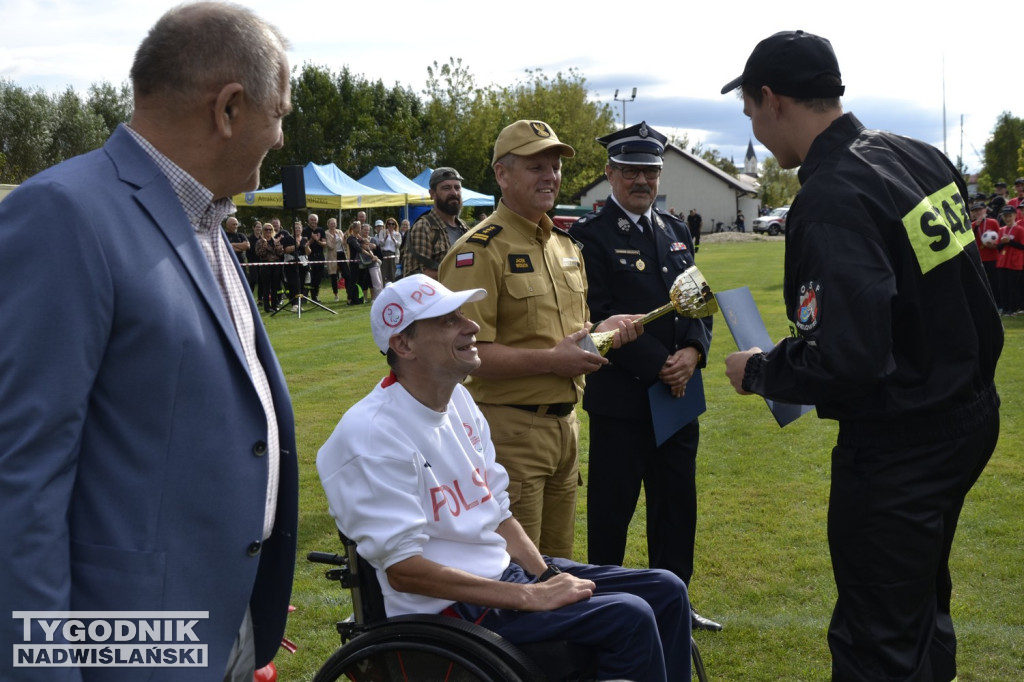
(633, 253)
(897, 338)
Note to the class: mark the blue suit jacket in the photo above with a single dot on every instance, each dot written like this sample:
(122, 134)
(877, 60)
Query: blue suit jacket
(132, 457)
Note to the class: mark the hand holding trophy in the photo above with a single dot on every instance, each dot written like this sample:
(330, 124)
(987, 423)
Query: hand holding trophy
(690, 296)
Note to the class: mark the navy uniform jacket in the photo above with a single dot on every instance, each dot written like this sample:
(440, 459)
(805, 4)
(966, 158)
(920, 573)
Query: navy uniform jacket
(628, 274)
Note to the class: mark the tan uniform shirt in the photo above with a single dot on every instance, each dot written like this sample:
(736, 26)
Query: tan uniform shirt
(536, 297)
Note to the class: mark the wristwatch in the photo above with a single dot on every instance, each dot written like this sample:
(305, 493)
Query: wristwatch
(550, 573)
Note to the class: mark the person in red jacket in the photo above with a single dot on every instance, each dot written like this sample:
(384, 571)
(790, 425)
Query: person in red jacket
(981, 223)
(1010, 266)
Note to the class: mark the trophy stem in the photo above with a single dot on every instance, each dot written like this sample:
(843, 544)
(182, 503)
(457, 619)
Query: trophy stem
(659, 312)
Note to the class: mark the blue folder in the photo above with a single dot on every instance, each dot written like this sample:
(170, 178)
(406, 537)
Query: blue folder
(748, 330)
(669, 413)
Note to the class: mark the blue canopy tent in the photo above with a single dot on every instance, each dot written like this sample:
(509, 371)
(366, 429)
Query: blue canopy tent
(469, 197)
(327, 187)
(390, 179)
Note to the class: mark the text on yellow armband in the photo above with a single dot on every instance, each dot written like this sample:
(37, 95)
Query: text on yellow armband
(939, 227)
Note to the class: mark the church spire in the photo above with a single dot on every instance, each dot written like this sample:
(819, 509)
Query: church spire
(750, 161)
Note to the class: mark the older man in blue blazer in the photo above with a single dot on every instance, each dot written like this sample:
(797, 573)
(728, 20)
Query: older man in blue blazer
(147, 444)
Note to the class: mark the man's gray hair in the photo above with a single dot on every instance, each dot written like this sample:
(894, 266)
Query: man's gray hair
(200, 47)
(508, 160)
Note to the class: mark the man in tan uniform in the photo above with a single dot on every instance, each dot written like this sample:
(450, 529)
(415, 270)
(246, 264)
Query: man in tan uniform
(532, 367)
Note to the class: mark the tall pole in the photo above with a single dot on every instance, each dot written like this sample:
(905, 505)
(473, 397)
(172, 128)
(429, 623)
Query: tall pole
(624, 100)
(944, 151)
(962, 163)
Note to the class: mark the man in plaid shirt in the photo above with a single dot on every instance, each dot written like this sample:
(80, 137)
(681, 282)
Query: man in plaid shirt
(433, 234)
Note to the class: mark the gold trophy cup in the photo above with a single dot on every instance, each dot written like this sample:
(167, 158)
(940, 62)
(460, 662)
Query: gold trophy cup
(690, 296)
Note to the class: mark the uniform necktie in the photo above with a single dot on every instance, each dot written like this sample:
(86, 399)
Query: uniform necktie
(648, 230)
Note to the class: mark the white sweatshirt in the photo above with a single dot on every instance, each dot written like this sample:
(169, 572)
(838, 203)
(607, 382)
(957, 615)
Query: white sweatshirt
(403, 480)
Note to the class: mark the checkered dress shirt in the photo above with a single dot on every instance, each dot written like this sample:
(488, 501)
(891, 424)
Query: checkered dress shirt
(205, 216)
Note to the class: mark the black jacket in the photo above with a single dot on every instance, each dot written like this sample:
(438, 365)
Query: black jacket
(896, 330)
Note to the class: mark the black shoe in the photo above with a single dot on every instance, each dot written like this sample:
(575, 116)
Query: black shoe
(699, 622)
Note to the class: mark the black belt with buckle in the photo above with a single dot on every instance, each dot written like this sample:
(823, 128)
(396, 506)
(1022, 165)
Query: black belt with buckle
(555, 410)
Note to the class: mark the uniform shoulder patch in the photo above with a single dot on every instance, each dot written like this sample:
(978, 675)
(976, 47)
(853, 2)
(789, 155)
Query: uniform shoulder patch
(808, 309)
(485, 234)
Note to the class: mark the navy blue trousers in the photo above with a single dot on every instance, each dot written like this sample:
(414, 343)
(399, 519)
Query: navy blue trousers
(637, 622)
(624, 455)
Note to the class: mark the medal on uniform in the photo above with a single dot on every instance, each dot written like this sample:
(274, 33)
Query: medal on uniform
(690, 296)
(640, 264)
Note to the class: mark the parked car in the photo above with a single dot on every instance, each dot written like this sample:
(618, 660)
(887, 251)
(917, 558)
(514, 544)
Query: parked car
(774, 223)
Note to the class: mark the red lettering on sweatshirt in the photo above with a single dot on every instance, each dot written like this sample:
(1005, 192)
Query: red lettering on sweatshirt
(454, 500)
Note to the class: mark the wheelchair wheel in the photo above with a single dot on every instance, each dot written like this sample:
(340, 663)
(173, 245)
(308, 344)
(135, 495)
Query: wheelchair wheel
(425, 648)
(698, 662)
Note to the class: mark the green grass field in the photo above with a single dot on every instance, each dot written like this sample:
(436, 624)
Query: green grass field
(762, 566)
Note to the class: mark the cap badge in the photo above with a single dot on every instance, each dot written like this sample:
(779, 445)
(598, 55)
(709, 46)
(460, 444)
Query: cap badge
(643, 132)
(540, 129)
(392, 315)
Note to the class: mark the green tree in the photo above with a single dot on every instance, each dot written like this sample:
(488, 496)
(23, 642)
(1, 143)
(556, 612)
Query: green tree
(349, 121)
(713, 157)
(778, 185)
(461, 123)
(314, 131)
(113, 105)
(683, 142)
(1003, 149)
(75, 128)
(563, 101)
(25, 132)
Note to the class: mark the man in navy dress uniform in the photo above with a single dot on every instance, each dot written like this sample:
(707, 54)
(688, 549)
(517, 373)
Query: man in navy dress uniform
(633, 252)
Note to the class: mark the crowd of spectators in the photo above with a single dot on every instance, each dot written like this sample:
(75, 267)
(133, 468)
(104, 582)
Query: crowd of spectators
(281, 265)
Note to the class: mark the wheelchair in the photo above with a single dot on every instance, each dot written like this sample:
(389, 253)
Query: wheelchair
(429, 647)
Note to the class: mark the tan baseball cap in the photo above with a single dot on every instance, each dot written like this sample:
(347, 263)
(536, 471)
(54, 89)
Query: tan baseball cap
(526, 138)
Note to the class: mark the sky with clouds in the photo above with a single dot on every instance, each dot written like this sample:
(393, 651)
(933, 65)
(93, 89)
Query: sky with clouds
(901, 62)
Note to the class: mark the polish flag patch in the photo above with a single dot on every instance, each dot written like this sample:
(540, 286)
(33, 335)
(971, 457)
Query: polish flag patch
(464, 260)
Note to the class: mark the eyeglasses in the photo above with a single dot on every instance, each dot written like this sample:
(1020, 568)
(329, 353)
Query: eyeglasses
(632, 172)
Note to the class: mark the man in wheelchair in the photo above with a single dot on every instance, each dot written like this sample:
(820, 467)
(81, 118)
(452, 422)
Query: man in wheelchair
(410, 475)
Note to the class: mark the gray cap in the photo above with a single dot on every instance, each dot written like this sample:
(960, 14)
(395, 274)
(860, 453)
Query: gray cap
(442, 174)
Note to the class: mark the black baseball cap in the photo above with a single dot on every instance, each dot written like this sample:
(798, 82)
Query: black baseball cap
(790, 63)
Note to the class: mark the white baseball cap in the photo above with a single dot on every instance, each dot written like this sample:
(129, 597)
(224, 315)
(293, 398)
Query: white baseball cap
(412, 298)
